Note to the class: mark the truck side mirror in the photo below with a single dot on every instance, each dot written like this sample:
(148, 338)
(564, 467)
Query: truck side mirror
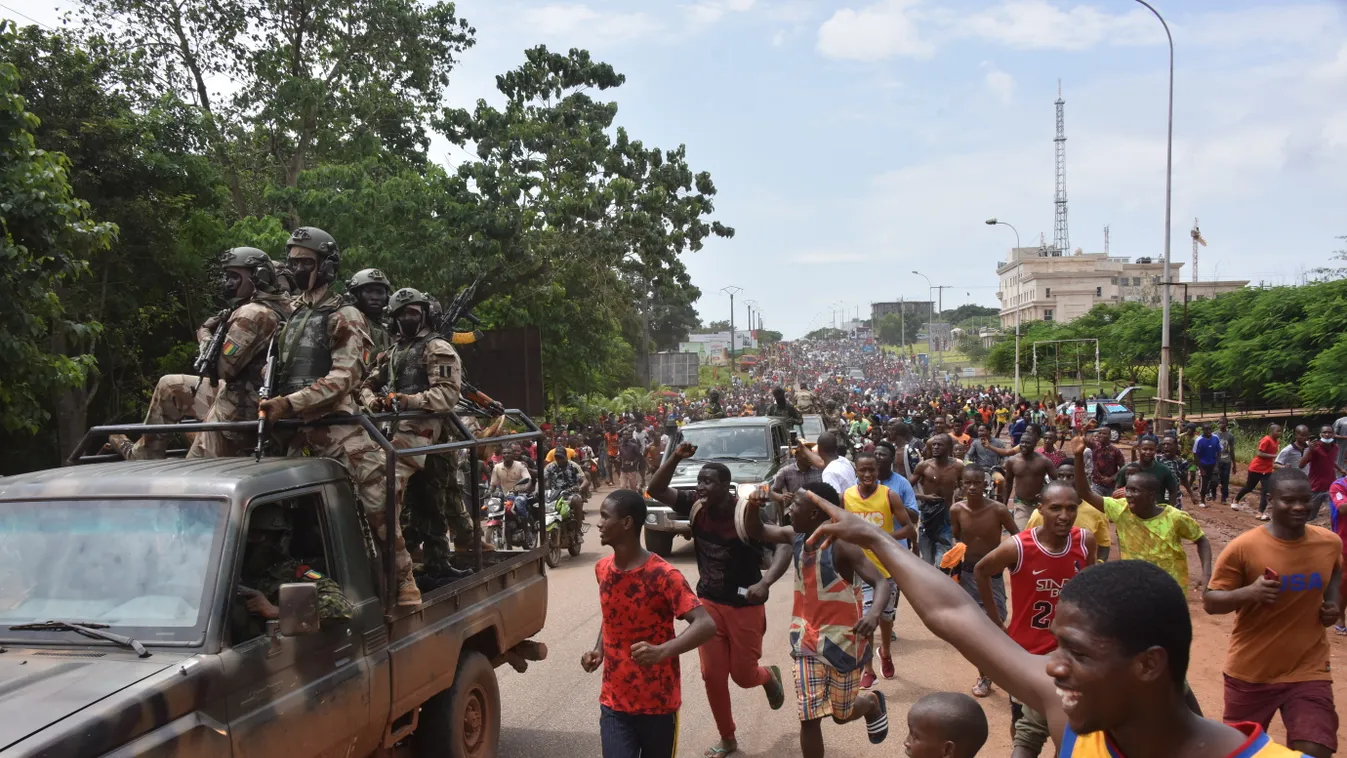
(299, 609)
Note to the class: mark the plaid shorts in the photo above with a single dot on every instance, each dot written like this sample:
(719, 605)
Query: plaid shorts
(824, 691)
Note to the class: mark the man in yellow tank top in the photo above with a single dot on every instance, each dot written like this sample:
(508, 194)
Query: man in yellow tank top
(1113, 688)
(884, 508)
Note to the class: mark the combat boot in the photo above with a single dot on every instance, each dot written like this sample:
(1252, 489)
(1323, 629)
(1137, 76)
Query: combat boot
(408, 594)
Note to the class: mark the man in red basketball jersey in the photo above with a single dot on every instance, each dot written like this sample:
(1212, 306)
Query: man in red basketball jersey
(1041, 560)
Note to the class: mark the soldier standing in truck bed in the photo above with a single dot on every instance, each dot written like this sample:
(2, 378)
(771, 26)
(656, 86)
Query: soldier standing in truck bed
(250, 279)
(369, 291)
(323, 350)
(420, 372)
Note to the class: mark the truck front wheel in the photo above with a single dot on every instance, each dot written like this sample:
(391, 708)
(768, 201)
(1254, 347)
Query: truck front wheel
(464, 720)
(659, 543)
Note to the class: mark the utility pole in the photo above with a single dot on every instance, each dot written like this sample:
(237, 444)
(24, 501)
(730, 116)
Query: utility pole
(731, 291)
(940, 296)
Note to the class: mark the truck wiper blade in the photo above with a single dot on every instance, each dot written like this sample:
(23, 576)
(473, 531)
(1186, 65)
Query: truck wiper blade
(88, 629)
(732, 458)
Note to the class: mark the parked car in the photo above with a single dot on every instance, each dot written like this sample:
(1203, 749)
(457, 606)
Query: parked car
(1117, 416)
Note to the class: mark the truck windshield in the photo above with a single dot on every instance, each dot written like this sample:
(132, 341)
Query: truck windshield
(124, 563)
(811, 428)
(728, 442)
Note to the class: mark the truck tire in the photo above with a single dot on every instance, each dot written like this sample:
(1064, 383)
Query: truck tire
(464, 720)
(659, 543)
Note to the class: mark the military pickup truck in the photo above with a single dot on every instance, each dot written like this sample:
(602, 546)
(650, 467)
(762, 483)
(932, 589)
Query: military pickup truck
(123, 628)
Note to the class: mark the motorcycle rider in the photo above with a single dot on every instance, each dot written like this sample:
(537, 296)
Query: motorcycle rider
(420, 371)
(563, 474)
(259, 311)
(510, 471)
(322, 352)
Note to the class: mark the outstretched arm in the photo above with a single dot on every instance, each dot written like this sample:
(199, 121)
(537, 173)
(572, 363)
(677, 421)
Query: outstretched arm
(1083, 490)
(952, 615)
(658, 488)
(760, 532)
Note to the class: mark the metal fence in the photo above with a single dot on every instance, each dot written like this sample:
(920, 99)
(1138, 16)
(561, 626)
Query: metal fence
(674, 369)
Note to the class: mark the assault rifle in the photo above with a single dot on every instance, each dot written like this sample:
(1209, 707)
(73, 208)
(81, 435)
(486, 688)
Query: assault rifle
(207, 361)
(471, 399)
(264, 392)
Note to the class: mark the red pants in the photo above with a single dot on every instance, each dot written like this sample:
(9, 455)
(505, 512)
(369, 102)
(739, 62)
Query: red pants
(732, 654)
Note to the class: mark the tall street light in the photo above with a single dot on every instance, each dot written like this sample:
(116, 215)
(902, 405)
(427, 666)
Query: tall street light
(731, 291)
(930, 320)
(1018, 278)
(1162, 391)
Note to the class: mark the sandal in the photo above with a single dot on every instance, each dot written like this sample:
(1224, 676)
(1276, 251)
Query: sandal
(716, 751)
(983, 688)
(776, 694)
(1342, 630)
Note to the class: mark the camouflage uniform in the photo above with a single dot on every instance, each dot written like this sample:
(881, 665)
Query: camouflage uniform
(242, 360)
(425, 369)
(176, 397)
(332, 604)
(322, 350)
(714, 410)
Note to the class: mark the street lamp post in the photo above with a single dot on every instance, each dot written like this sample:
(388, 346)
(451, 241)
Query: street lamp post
(1162, 391)
(1018, 278)
(930, 319)
(731, 291)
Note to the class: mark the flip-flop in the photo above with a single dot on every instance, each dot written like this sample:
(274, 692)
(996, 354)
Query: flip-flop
(776, 698)
(1341, 630)
(877, 728)
(716, 751)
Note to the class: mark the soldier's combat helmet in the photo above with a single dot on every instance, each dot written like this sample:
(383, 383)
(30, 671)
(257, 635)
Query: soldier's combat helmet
(366, 276)
(260, 267)
(408, 296)
(321, 243)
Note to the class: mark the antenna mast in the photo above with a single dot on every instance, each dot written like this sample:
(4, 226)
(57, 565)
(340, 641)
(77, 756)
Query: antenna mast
(1060, 238)
(1197, 240)
(1105, 239)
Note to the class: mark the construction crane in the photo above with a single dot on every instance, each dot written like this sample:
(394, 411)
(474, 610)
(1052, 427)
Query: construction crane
(1197, 240)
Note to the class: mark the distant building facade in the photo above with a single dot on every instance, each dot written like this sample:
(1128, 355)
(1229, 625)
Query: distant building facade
(916, 311)
(1045, 287)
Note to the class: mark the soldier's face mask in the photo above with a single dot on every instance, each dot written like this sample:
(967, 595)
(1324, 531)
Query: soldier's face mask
(408, 321)
(302, 266)
(372, 299)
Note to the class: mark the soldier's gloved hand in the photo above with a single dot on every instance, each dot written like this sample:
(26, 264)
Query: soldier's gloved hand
(397, 400)
(276, 408)
(376, 405)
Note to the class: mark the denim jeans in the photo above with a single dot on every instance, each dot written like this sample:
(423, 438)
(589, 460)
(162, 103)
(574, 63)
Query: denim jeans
(936, 542)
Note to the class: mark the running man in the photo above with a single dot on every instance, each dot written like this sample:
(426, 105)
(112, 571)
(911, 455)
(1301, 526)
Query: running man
(935, 481)
(1040, 560)
(829, 633)
(884, 508)
(978, 523)
(1026, 475)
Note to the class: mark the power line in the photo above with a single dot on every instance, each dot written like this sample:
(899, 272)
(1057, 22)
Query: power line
(30, 18)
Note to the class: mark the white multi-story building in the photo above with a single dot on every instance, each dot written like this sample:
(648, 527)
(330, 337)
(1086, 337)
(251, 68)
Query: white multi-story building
(1046, 287)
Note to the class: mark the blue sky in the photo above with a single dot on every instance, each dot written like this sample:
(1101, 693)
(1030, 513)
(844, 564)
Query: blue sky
(854, 142)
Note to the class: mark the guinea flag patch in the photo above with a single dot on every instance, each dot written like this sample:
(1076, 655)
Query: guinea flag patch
(230, 348)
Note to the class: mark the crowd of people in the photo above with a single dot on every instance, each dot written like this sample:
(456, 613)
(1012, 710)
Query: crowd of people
(917, 481)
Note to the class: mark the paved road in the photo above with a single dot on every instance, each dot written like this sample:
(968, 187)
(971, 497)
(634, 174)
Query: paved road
(553, 708)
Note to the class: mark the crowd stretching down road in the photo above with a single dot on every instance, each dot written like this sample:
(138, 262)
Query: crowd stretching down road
(1065, 540)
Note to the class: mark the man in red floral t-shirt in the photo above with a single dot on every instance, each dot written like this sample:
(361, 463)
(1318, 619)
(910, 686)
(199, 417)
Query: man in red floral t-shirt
(641, 595)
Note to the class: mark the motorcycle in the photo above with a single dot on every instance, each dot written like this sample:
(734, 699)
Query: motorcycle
(507, 524)
(561, 528)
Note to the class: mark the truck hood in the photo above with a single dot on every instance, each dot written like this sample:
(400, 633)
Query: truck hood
(741, 472)
(39, 690)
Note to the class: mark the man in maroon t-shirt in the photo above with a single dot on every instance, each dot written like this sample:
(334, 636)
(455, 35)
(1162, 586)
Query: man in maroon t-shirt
(641, 595)
(1321, 461)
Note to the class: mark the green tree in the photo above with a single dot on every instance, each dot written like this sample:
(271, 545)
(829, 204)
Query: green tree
(826, 333)
(48, 231)
(893, 330)
(715, 327)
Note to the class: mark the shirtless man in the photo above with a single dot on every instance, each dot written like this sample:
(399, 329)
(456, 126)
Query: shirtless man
(1026, 474)
(978, 523)
(935, 480)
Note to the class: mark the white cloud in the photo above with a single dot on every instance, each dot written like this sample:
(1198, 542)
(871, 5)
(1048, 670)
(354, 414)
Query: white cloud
(1001, 84)
(1040, 25)
(878, 31)
(559, 20)
(711, 11)
(828, 257)
(779, 38)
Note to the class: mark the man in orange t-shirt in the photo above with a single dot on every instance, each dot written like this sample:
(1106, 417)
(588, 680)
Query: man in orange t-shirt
(1260, 468)
(1282, 582)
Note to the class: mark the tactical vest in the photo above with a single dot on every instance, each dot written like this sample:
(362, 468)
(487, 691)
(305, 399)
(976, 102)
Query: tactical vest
(407, 366)
(306, 350)
(251, 374)
(382, 339)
